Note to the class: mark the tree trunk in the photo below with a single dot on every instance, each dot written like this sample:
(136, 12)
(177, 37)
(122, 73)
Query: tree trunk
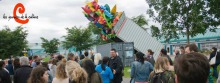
(187, 33)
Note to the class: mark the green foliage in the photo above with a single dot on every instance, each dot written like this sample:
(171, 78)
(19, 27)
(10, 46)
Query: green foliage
(140, 20)
(12, 42)
(51, 46)
(180, 17)
(79, 38)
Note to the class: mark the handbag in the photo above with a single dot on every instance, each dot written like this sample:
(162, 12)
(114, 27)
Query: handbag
(213, 60)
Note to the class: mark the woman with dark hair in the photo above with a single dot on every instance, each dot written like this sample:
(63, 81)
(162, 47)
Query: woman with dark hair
(81, 59)
(50, 78)
(16, 64)
(140, 69)
(104, 70)
(4, 75)
(217, 60)
(150, 57)
(93, 76)
(38, 75)
(163, 52)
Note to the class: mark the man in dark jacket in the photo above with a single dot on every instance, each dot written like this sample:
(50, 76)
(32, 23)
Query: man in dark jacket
(116, 65)
(4, 75)
(23, 73)
(217, 61)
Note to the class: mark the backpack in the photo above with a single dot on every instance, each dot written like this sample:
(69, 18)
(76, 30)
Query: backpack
(163, 77)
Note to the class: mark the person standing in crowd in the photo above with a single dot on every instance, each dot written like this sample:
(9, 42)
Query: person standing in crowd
(213, 54)
(77, 59)
(30, 59)
(59, 58)
(105, 71)
(38, 75)
(182, 50)
(191, 48)
(81, 59)
(61, 75)
(35, 58)
(192, 68)
(75, 73)
(53, 67)
(92, 55)
(86, 54)
(50, 64)
(150, 57)
(16, 64)
(116, 65)
(4, 75)
(97, 59)
(9, 67)
(161, 73)
(93, 76)
(21, 75)
(50, 77)
(177, 53)
(140, 69)
(163, 52)
(71, 57)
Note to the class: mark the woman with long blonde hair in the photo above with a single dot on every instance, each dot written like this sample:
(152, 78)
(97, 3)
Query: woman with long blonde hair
(97, 59)
(75, 73)
(161, 68)
(61, 75)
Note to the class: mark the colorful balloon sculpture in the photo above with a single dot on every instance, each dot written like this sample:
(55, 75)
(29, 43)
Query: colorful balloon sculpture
(102, 17)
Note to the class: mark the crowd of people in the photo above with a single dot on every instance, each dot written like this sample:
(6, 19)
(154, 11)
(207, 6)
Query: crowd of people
(188, 66)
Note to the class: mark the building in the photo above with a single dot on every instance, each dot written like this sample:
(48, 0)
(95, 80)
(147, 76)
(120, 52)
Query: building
(204, 42)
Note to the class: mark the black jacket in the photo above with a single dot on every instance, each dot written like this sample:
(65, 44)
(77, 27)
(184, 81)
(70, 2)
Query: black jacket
(116, 64)
(4, 76)
(22, 74)
(151, 60)
(217, 57)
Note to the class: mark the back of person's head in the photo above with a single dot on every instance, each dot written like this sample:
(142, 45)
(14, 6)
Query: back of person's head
(75, 72)
(35, 57)
(70, 56)
(161, 63)
(2, 64)
(16, 62)
(86, 54)
(150, 51)
(97, 58)
(37, 75)
(182, 48)
(89, 66)
(60, 71)
(140, 57)
(30, 58)
(163, 51)
(104, 62)
(82, 57)
(54, 62)
(113, 50)
(192, 68)
(24, 60)
(59, 57)
(64, 60)
(45, 64)
(192, 47)
(214, 49)
(9, 62)
(38, 62)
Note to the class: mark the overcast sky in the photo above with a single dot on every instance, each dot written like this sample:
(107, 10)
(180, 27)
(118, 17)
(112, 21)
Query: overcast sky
(56, 15)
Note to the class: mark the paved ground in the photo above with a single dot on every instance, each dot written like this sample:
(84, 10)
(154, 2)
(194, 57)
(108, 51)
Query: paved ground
(126, 80)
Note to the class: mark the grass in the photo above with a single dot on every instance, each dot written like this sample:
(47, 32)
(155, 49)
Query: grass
(46, 59)
(127, 72)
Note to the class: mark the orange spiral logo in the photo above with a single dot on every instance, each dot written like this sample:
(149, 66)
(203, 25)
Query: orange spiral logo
(21, 10)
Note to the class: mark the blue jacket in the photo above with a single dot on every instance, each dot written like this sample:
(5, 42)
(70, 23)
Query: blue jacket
(10, 68)
(140, 72)
(106, 74)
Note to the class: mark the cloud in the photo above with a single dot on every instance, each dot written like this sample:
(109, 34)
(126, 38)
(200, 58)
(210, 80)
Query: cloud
(56, 15)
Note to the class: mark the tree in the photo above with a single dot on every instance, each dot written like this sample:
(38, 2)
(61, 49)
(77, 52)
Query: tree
(79, 38)
(51, 46)
(12, 42)
(140, 20)
(178, 17)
